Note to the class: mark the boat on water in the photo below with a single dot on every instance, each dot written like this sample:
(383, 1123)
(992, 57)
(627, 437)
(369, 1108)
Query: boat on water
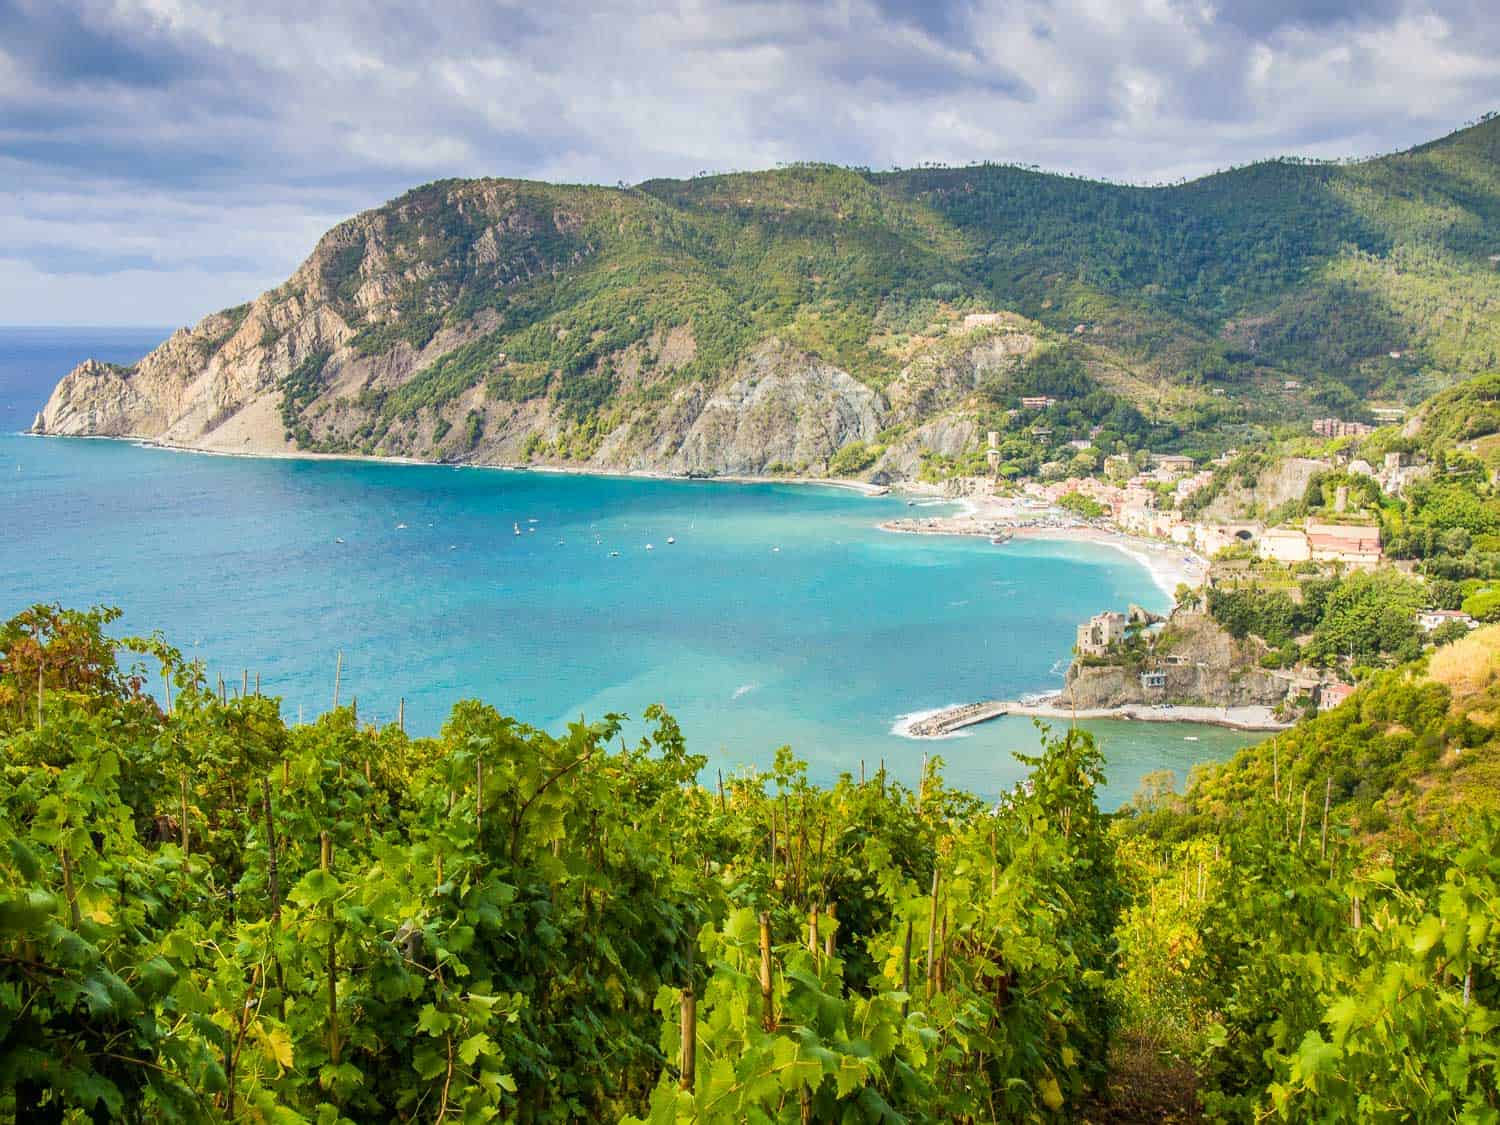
(517, 527)
(1003, 537)
(671, 539)
(400, 527)
(614, 554)
(1190, 738)
(339, 540)
(649, 547)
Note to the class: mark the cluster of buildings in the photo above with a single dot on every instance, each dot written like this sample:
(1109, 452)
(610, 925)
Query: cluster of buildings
(1394, 475)
(1334, 427)
(1134, 507)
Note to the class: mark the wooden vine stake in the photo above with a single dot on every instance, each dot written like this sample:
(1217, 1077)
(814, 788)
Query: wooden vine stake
(338, 671)
(768, 1015)
(335, 1048)
(478, 796)
(1327, 798)
(906, 969)
(401, 714)
(932, 931)
(70, 892)
(39, 673)
(1302, 824)
(689, 1027)
(942, 963)
(183, 793)
(721, 791)
(828, 937)
(275, 888)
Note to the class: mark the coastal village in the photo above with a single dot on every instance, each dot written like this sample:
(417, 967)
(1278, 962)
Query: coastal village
(1134, 664)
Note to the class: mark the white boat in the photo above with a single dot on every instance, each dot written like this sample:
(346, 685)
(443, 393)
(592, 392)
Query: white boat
(338, 540)
(671, 539)
(614, 554)
(517, 527)
(1190, 738)
(649, 547)
(775, 550)
(400, 527)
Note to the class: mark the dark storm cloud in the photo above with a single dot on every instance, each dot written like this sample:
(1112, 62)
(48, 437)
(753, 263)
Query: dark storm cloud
(68, 46)
(199, 146)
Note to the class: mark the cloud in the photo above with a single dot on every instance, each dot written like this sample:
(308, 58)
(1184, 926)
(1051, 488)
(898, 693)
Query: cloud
(191, 140)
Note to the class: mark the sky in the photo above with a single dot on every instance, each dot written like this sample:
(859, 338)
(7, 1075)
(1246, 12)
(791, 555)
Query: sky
(166, 158)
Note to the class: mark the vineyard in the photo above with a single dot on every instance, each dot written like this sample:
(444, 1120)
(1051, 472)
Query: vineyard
(209, 915)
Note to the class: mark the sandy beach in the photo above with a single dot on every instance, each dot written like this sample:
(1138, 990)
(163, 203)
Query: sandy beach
(1169, 565)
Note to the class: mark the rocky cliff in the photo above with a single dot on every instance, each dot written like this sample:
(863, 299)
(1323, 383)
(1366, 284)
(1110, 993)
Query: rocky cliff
(432, 328)
(1203, 664)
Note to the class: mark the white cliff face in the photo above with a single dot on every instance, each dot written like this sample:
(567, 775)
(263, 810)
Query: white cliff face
(781, 407)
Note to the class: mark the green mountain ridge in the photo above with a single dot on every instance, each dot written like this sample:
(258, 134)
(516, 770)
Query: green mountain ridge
(688, 324)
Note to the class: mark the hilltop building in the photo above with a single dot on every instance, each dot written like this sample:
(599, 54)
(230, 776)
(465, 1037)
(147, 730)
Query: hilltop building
(1335, 427)
(1330, 695)
(1101, 631)
(1430, 619)
(1353, 544)
(1284, 545)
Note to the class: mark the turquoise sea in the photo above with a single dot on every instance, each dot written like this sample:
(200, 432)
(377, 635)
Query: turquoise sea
(780, 614)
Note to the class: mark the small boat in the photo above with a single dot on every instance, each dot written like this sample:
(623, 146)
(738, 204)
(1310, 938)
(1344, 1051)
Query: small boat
(533, 519)
(400, 527)
(517, 527)
(532, 530)
(1003, 537)
(339, 540)
(1190, 738)
(649, 547)
(775, 550)
(671, 539)
(452, 546)
(614, 554)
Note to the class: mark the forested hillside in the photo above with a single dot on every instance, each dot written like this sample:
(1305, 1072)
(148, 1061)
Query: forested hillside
(694, 325)
(207, 915)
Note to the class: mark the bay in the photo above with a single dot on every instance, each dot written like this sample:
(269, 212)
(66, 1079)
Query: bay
(780, 615)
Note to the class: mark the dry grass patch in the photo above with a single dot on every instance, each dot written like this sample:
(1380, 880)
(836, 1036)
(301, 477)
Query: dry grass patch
(1470, 664)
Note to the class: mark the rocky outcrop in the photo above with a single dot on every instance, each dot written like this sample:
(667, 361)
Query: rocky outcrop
(1203, 666)
(1274, 486)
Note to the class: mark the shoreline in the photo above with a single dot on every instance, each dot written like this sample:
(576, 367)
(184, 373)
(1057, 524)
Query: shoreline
(1248, 718)
(1168, 565)
(864, 488)
(954, 721)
